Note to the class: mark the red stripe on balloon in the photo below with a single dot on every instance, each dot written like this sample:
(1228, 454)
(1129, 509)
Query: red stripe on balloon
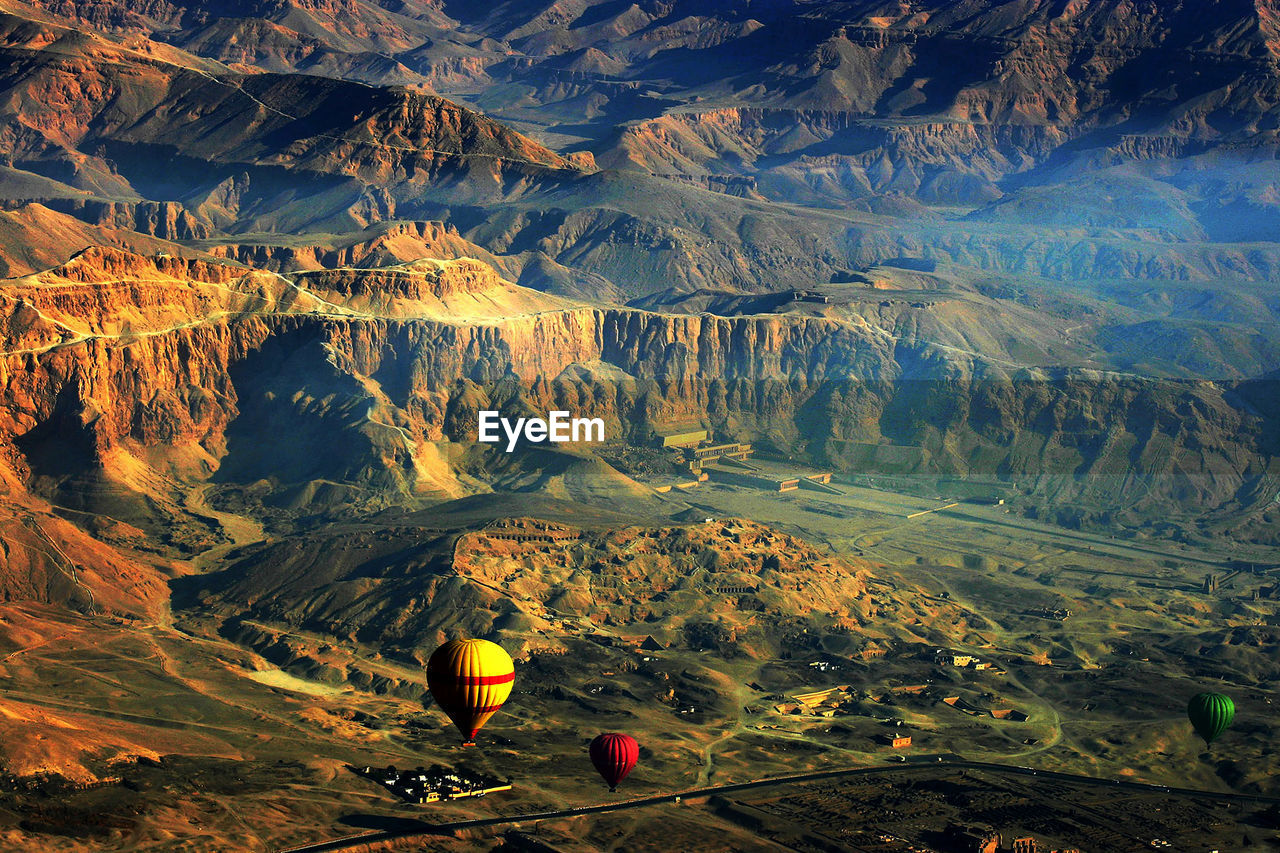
(474, 680)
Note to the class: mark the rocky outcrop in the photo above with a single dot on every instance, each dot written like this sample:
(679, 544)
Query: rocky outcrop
(422, 279)
(169, 220)
(406, 589)
(34, 237)
(835, 154)
(383, 245)
(100, 265)
(47, 560)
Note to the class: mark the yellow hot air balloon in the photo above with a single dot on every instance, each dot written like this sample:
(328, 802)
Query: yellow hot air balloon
(470, 679)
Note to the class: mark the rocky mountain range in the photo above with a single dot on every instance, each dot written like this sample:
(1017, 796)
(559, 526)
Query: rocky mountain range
(744, 146)
(271, 176)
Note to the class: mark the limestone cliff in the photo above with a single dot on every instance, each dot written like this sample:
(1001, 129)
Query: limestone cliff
(372, 379)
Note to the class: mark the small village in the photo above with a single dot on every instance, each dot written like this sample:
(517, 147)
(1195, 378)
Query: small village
(433, 784)
(844, 700)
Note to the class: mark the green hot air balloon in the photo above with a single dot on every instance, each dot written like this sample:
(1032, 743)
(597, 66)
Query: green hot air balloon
(1210, 713)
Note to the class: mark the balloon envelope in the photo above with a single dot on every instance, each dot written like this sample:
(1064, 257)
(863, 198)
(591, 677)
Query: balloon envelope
(470, 679)
(1210, 714)
(614, 755)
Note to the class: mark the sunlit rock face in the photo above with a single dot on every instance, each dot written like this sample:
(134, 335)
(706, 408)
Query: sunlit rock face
(188, 368)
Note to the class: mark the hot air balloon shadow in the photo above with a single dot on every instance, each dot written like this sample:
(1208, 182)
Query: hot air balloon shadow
(470, 680)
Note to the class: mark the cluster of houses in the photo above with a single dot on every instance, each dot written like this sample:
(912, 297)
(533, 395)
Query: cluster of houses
(1058, 614)
(434, 784)
(961, 661)
(832, 703)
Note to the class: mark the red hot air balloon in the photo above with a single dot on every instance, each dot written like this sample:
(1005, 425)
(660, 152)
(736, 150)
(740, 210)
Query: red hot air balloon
(614, 755)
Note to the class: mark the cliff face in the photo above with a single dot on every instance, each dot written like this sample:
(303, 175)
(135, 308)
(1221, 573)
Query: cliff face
(167, 220)
(382, 245)
(34, 237)
(416, 281)
(345, 377)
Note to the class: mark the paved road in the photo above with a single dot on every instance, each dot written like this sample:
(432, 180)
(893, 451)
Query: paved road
(918, 766)
(1093, 542)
